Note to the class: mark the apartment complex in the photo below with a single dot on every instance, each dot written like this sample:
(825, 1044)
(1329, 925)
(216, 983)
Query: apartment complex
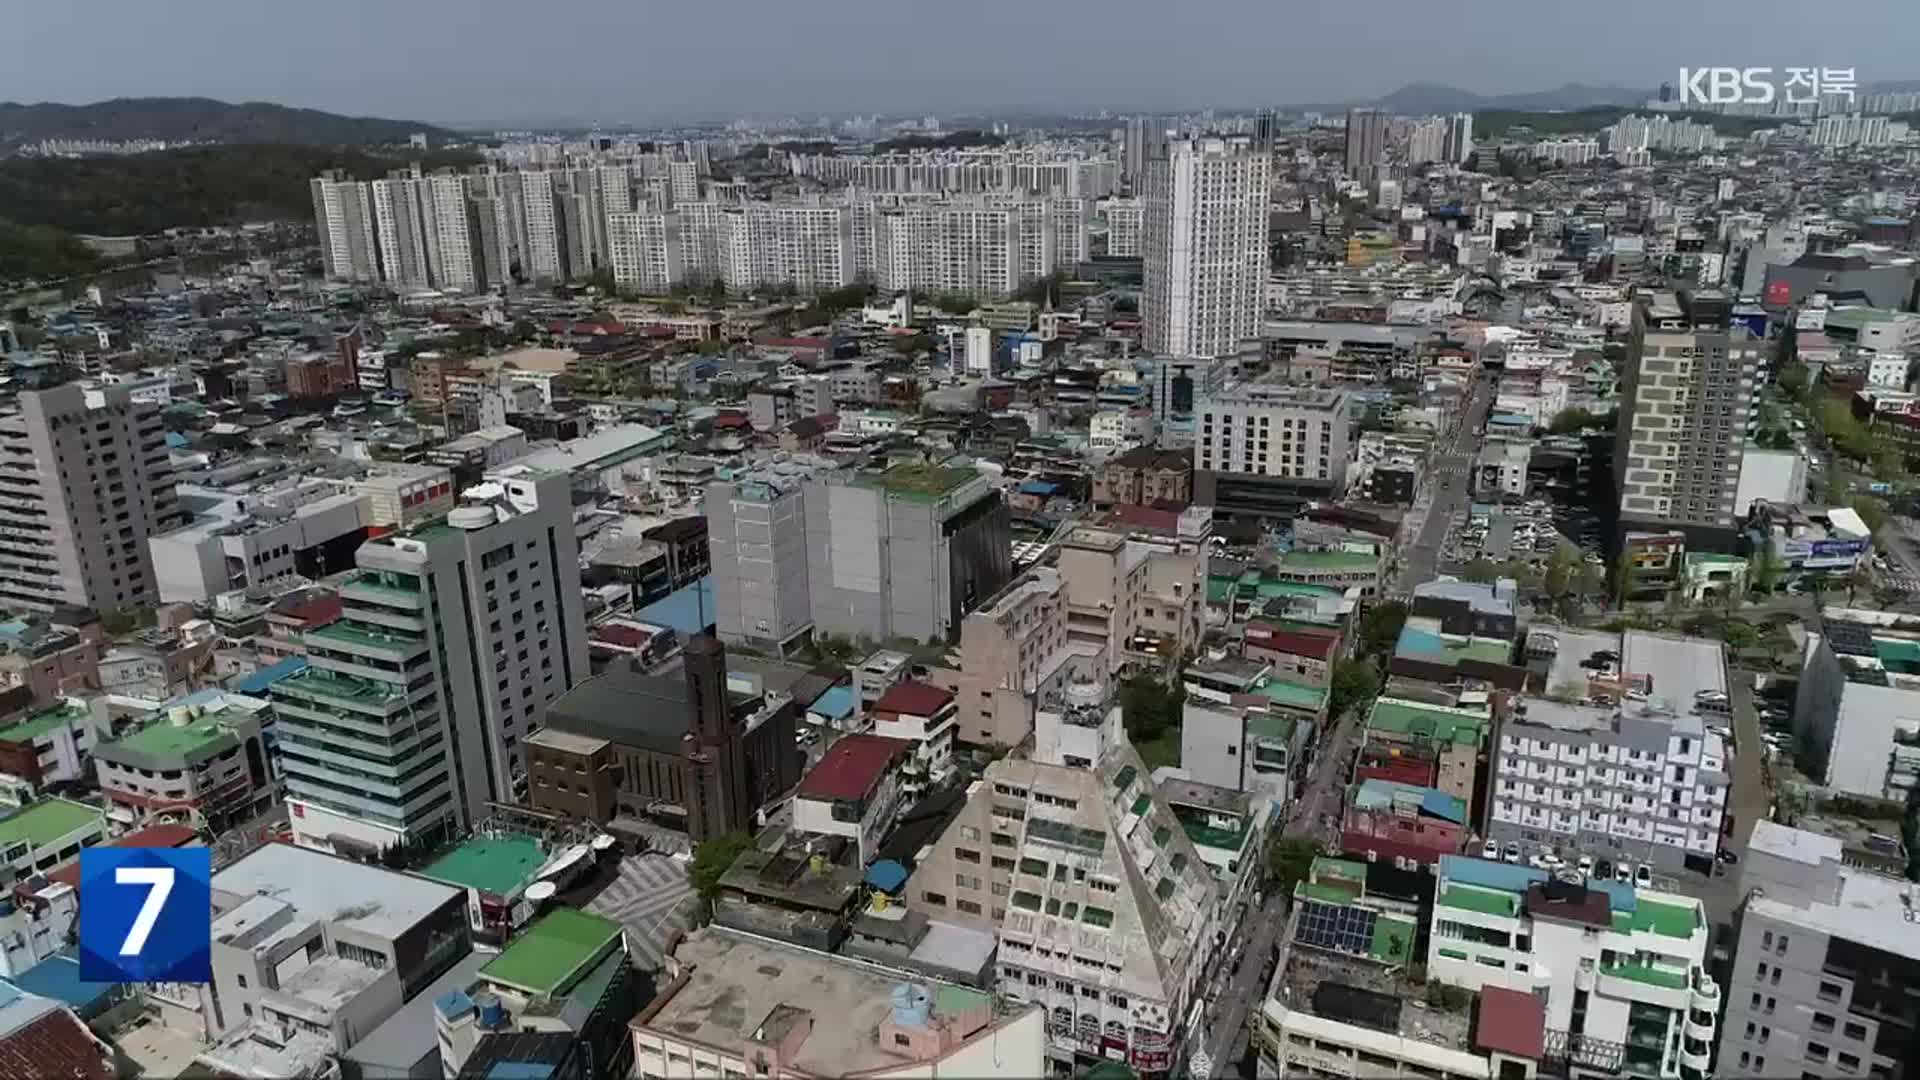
(1621, 970)
(1686, 390)
(453, 636)
(1205, 239)
(1824, 966)
(1041, 170)
(1618, 763)
(343, 215)
(84, 480)
(1104, 911)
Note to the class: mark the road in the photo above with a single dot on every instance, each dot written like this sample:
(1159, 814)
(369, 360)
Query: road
(1443, 493)
(1316, 812)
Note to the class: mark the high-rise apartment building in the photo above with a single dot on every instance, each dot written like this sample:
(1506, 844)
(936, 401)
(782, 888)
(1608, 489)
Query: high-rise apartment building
(455, 249)
(1206, 247)
(805, 244)
(1459, 143)
(1826, 963)
(84, 480)
(343, 217)
(1124, 218)
(683, 180)
(454, 635)
(1686, 389)
(1366, 143)
(400, 227)
(543, 257)
(644, 249)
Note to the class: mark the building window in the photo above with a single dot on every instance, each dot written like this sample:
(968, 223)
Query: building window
(934, 898)
(967, 907)
(966, 855)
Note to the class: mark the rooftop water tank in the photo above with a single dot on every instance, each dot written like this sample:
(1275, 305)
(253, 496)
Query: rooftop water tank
(493, 1014)
(911, 1006)
(180, 716)
(471, 517)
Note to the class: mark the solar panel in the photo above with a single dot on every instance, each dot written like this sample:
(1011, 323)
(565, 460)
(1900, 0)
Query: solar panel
(1335, 928)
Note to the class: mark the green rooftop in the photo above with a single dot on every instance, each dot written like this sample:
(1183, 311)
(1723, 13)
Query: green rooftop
(345, 633)
(1328, 560)
(1393, 938)
(1655, 917)
(1484, 901)
(1269, 590)
(1268, 725)
(1898, 655)
(170, 745)
(552, 954)
(1205, 835)
(1293, 695)
(919, 481)
(1393, 716)
(493, 864)
(47, 822)
(1647, 973)
(43, 722)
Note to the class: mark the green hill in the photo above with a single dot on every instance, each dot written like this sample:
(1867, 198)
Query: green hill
(202, 120)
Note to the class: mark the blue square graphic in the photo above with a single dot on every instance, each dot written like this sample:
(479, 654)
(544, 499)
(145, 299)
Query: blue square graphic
(146, 914)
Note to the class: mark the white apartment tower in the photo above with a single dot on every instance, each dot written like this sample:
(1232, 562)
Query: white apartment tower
(400, 225)
(83, 483)
(343, 217)
(1206, 246)
(541, 258)
(454, 248)
(1123, 218)
(644, 248)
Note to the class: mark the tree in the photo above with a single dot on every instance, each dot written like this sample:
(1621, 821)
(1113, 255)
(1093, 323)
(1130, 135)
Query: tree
(1776, 640)
(1559, 578)
(1289, 860)
(1150, 708)
(1795, 379)
(1873, 512)
(1481, 570)
(711, 861)
(1352, 682)
(1763, 569)
(1380, 628)
(1739, 635)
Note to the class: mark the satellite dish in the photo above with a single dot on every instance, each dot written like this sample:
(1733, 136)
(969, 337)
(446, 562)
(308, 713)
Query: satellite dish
(603, 842)
(541, 891)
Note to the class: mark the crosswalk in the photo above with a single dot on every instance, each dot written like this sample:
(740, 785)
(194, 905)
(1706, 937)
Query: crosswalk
(652, 898)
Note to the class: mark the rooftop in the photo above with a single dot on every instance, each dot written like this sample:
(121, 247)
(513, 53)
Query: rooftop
(852, 767)
(45, 722)
(552, 954)
(1394, 716)
(322, 887)
(913, 699)
(490, 864)
(163, 744)
(736, 987)
(45, 822)
(918, 481)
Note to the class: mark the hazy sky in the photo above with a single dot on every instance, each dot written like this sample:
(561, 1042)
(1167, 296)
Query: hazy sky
(502, 61)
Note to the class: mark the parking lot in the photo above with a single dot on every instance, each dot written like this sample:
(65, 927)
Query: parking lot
(1524, 532)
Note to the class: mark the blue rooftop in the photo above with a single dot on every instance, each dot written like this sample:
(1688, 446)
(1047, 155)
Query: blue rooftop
(257, 682)
(521, 1070)
(453, 1003)
(836, 704)
(1620, 895)
(1374, 793)
(887, 876)
(1506, 877)
(688, 611)
(1038, 487)
(58, 977)
(175, 440)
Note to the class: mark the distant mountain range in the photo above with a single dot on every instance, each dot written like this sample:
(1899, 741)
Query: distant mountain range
(202, 120)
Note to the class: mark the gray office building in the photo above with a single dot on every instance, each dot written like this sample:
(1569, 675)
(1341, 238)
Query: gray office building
(84, 480)
(904, 553)
(1366, 144)
(1826, 965)
(757, 535)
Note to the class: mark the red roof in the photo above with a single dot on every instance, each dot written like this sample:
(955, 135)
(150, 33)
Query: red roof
(852, 767)
(56, 1045)
(1148, 517)
(316, 612)
(625, 637)
(164, 836)
(913, 699)
(1512, 1022)
(1291, 642)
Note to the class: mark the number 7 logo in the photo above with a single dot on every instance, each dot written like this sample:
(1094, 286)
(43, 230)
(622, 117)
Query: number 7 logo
(159, 880)
(146, 914)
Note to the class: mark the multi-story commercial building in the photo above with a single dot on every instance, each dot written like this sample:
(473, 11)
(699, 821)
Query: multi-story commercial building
(1825, 959)
(903, 553)
(1134, 598)
(803, 1004)
(757, 531)
(343, 216)
(205, 761)
(454, 636)
(1205, 233)
(1858, 706)
(1271, 429)
(1012, 649)
(1685, 391)
(1620, 970)
(1618, 763)
(1104, 911)
(1144, 476)
(1177, 387)
(84, 480)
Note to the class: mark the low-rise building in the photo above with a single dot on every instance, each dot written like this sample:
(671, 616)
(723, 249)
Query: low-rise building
(797, 1013)
(204, 761)
(926, 719)
(1621, 970)
(1408, 826)
(1858, 706)
(857, 791)
(46, 834)
(53, 745)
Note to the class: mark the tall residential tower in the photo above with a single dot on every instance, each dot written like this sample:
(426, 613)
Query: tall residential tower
(1206, 246)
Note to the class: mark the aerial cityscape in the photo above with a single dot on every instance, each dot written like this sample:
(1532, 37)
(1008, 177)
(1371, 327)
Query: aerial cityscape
(986, 576)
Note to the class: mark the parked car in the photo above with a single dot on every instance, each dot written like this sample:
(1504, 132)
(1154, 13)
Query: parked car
(1513, 852)
(1586, 866)
(1490, 850)
(1623, 872)
(1643, 876)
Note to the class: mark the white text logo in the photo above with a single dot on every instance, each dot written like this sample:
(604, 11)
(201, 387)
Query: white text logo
(1757, 85)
